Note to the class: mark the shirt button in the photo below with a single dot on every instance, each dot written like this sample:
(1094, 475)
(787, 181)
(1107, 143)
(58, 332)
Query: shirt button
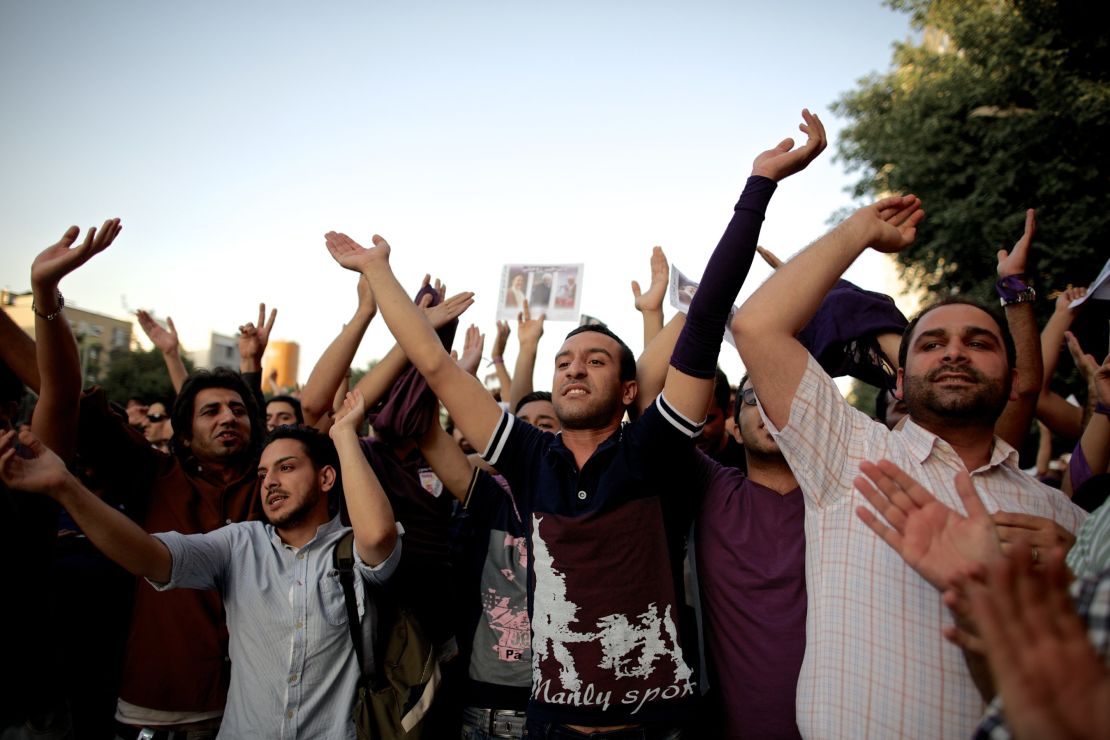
(581, 495)
(300, 625)
(293, 678)
(227, 521)
(300, 556)
(289, 714)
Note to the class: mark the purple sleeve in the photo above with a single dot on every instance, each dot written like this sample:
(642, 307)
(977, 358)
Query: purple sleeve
(1078, 468)
(696, 351)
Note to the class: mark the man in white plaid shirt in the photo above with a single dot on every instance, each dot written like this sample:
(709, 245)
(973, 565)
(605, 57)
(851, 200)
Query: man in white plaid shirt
(876, 663)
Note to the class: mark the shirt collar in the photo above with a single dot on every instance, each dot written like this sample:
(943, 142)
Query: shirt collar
(922, 442)
(322, 531)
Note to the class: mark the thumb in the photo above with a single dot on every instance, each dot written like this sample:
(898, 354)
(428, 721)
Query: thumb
(785, 145)
(635, 289)
(1002, 254)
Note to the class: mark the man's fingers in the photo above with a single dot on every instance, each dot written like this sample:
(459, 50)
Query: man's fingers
(635, 289)
(173, 329)
(973, 505)
(270, 322)
(899, 487)
(881, 502)
(888, 535)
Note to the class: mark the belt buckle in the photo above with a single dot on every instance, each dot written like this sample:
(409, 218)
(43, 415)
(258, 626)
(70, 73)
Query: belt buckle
(146, 734)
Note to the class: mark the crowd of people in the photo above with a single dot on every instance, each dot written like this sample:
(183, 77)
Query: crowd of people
(640, 551)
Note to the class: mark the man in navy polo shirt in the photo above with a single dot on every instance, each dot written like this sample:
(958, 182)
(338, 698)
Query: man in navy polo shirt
(606, 506)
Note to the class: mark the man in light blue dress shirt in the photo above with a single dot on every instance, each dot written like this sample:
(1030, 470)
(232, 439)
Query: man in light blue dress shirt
(294, 672)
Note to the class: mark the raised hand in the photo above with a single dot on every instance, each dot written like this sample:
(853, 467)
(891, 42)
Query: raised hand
(652, 300)
(254, 338)
(1096, 375)
(783, 161)
(164, 339)
(529, 330)
(1013, 262)
(1068, 296)
(353, 256)
(32, 466)
(473, 344)
(501, 340)
(447, 309)
(349, 416)
(891, 222)
(1052, 682)
(769, 257)
(937, 542)
(60, 259)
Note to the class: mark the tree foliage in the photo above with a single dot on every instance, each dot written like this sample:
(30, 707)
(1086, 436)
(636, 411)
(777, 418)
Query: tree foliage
(1005, 105)
(139, 373)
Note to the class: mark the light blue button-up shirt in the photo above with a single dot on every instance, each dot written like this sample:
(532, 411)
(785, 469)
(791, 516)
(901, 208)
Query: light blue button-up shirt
(293, 670)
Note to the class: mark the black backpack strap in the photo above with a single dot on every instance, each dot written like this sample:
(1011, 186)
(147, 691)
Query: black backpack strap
(343, 557)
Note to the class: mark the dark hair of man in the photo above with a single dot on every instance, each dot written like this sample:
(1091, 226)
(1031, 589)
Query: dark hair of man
(182, 415)
(1003, 328)
(294, 402)
(533, 396)
(627, 359)
(721, 391)
(739, 399)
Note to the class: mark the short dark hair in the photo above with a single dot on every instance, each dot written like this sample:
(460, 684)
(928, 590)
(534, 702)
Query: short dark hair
(318, 446)
(740, 397)
(533, 396)
(182, 415)
(1003, 328)
(627, 359)
(294, 402)
(721, 391)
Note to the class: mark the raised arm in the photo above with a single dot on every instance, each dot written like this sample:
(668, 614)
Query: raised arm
(652, 366)
(1013, 425)
(447, 460)
(1095, 442)
(319, 391)
(35, 468)
(55, 417)
(497, 356)
(689, 383)
(1052, 409)
(167, 343)
(253, 339)
(528, 333)
(371, 515)
(472, 408)
(766, 325)
(650, 304)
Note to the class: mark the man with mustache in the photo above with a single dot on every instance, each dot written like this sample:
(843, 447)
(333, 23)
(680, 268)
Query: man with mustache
(876, 664)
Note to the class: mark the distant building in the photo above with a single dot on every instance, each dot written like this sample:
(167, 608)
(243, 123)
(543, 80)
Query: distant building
(222, 351)
(97, 335)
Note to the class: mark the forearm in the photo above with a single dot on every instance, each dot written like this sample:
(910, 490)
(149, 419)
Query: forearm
(473, 409)
(653, 324)
(176, 368)
(59, 367)
(1052, 341)
(380, 378)
(319, 392)
(1095, 443)
(119, 538)
(17, 351)
(700, 340)
(652, 365)
(371, 514)
(1013, 425)
(521, 384)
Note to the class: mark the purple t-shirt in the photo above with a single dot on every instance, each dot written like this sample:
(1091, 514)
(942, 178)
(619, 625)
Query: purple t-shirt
(750, 549)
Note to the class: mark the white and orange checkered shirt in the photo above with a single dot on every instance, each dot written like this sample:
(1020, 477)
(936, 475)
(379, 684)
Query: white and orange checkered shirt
(876, 664)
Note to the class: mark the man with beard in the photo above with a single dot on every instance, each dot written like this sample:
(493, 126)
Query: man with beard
(876, 664)
(295, 673)
(606, 506)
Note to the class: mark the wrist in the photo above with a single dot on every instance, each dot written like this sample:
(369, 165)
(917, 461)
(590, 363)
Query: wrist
(1014, 289)
(47, 303)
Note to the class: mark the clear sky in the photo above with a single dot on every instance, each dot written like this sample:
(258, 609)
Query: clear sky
(229, 136)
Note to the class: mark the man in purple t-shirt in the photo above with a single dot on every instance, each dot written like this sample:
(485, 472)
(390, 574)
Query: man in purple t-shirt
(750, 553)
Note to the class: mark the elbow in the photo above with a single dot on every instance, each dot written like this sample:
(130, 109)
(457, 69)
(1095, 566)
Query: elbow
(375, 547)
(743, 327)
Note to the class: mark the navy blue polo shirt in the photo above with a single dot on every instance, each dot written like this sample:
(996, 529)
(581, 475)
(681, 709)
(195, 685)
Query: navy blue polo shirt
(605, 548)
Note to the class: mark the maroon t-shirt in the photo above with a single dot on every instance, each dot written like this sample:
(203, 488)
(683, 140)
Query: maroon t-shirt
(750, 548)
